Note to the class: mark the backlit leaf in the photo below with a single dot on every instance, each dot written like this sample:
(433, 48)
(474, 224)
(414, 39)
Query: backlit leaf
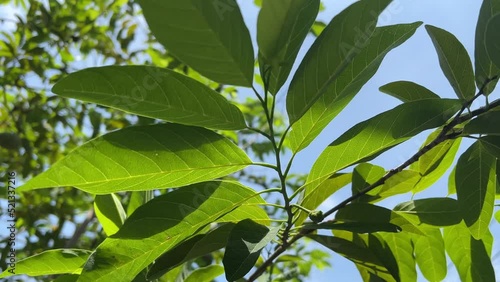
(401, 248)
(343, 87)
(110, 213)
(144, 158)
(476, 184)
(407, 91)
(331, 53)
(454, 61)
(282, 26)
(430, 254)
(208, 35)
(435, 162)
(58, 261)
(208, 273)
(469, 255)
(313, 198)
(164, 222)
(152, 92)
(370, 138)
(356, 227)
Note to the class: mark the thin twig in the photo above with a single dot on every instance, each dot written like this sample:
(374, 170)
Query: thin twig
(443, 136)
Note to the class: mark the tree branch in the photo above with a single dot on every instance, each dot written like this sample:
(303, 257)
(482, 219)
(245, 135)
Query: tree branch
(443, 136)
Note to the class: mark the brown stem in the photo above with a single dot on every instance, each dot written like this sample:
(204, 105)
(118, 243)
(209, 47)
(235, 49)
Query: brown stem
(443, 136)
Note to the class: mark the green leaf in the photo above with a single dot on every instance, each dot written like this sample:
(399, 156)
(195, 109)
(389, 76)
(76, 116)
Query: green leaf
(431, 211)
(166, 221)
(476, 184)
(486, 123)
(136, 199)
(370, 138)
(452, 187)
(469, 255)
(246, 241)
(208, 35)
(192, 248)
(430, 254)
(51, 262)
(152, 92)
(492, 145)
(371, 214)
(454, 61)
(485, 69)
(110, 213)
(331, 53)
(342, 88)
(356, 227)
(311, 199)
(208, 273)
(497, 216)
(435, 162)
(402, 249)
(407, 91)
(282, 27)
(363, 176)
(491, 39)
(356, 251)
(402, 182)
(144, 158)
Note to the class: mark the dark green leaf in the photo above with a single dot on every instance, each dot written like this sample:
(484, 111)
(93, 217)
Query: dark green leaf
(486, 123)
(152, 92)
(492, 145)
(371, 214)
(370, 138)
(407, 91)
(208, 35)
(281, 28)
(430, 254)
(110, 213)
(431, 211)
(357, 252)
(144, 158)
(469, 255)
(164, 222)
(476, 184)
(208, 273)
(342, 88)
(356, 227)
(313, 198)
(331, 53)
(192, 248)
(58, 261)
(485, 69)
(246, 241)
(491, 39)
(454, 61)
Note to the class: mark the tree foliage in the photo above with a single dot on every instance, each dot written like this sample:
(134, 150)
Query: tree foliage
(167, 171)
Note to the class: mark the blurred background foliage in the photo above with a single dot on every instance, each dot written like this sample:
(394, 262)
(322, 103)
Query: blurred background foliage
(42, 41)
